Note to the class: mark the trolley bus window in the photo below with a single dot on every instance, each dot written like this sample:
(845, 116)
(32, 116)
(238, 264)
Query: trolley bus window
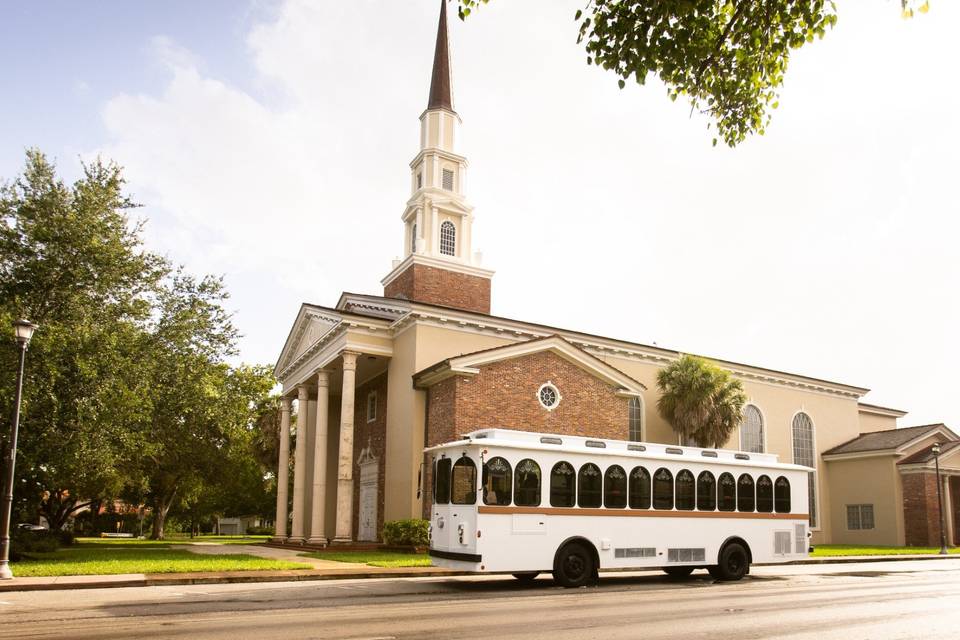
(726, 492)
(639, 488)
(764, 494)
(590, 486)
(442, 484)
(497, 481)
(745, 495)
(562, 485)
(781, 495)
(706, 492)
(463, 485)
(527, 490)
(663, 489)
(685, 491)
(615, 487)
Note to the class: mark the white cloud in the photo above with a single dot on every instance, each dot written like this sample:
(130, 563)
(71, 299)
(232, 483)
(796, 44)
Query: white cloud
(825, 247)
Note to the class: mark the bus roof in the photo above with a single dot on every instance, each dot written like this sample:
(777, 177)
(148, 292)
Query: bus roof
(601, 446)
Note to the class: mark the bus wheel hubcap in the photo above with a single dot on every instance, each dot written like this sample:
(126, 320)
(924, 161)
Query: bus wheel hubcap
(574, 565)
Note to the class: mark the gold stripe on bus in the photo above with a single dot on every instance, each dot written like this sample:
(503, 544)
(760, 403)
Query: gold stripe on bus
(642, 513)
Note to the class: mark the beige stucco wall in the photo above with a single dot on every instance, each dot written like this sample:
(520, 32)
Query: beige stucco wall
(866, 481)
(873, 422)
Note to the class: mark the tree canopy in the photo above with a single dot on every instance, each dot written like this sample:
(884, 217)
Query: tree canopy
(701, 401)
(726, 57)
(129, 390)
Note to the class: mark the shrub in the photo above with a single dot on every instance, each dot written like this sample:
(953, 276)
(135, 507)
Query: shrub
(259, 531)
(65, 538)
(22, 541)
(406, 532)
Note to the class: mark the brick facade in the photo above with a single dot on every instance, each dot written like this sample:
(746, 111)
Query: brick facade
(920, 512)
(374, 435)
(431, 285)
(504, 394)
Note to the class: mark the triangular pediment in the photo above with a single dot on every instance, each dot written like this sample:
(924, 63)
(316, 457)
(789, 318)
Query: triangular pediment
(311, 323)
(469, 364)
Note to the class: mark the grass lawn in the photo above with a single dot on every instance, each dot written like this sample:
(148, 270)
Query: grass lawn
(105, 556)
(375, 558)
(133, 542)
(826, 550)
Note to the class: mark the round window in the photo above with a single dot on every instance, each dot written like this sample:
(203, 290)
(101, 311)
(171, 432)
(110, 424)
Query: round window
(549, 396)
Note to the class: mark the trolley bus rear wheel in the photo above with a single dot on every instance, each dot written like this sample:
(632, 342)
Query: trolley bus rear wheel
(734, 563)
(527, 577)
(678, 572)
(573, 565)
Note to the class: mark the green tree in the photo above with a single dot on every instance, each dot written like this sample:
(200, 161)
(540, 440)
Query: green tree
(701, 401)
(72, 261)
(199, 405)
(727, 57)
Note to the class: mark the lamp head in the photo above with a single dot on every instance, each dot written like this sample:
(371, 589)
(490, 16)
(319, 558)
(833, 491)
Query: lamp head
(23, 329)
(936, 449)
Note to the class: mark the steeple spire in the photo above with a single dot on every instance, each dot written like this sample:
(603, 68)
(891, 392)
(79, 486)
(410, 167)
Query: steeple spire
(441, 93)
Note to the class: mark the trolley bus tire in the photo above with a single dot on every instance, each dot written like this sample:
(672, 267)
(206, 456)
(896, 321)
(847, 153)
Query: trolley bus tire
(527, 577)
(734, 562)
(678, 572)
(573, 565)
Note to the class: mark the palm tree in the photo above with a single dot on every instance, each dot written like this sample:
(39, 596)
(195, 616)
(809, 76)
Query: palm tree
(700, 401)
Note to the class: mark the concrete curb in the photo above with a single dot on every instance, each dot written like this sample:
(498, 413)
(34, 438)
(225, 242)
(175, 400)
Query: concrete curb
(251, 577)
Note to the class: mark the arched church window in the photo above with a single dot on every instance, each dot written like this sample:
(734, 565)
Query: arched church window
(448, 238)
(751, 431)
(803, 454)
(635, 409)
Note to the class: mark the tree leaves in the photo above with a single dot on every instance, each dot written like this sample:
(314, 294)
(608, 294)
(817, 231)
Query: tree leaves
(700, 400)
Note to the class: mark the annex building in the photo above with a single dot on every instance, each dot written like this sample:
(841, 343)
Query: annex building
(374, 379)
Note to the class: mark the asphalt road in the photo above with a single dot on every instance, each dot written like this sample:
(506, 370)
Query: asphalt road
(908, 599)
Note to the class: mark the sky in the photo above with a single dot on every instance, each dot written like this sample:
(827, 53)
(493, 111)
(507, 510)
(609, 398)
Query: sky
(269, 141)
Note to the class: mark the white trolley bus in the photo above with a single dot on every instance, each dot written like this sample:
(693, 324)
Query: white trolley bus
(525, 503)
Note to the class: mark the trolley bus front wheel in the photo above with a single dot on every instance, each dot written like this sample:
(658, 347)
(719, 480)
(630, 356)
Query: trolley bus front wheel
(734, 563)
(573, 565)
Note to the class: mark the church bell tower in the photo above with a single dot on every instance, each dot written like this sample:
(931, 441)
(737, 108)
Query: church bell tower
(439, 265)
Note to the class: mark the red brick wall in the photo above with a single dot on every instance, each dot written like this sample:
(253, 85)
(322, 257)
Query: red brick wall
(374, 435)
(421, 283)
(920, 512)
(504, 394)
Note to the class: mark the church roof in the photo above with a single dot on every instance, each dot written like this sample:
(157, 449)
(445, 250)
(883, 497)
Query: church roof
(441, 90)
(885, 440)
(926, 454)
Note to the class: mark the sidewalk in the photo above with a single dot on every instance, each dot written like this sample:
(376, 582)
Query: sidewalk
(324, 570)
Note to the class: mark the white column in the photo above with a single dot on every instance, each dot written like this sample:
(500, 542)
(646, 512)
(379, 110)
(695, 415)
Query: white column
(344, 531)
(320, 461)
(280, 531)
(299, 464)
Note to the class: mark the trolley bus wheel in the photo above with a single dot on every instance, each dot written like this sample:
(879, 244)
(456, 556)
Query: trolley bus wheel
(526, 578)
(573, 565)
(678, 572)
(734, 562)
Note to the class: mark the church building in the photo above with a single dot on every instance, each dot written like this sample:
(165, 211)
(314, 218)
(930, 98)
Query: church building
(373, 379)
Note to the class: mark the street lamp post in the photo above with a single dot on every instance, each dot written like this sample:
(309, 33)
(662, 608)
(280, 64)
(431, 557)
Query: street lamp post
(23, 329)
(943, 535)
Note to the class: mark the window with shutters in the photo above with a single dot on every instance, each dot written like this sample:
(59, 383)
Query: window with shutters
(804, 454)
(371, 406)
(448, 238)
(413, 238)
(448, 179)
(419, 180)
